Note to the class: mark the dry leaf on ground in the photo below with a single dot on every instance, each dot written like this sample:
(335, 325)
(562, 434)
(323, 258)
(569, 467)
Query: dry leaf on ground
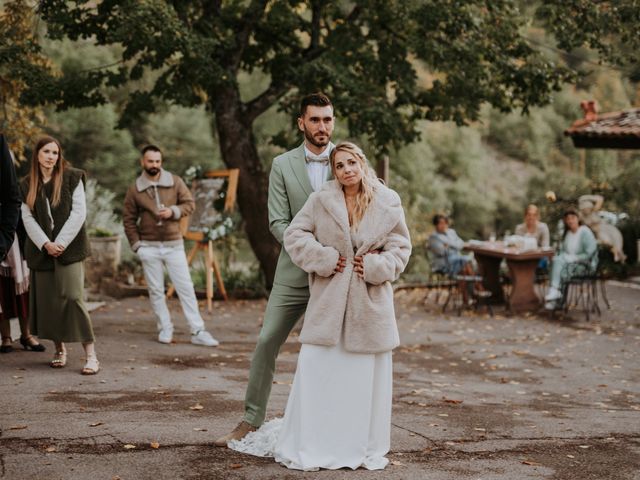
(129, 446)
(197, 406)
(155, 445)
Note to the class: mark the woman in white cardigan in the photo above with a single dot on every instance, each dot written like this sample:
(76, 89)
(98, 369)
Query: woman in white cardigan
(352, 238)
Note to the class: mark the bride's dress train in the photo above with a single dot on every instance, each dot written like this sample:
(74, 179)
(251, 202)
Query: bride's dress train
(338, 413)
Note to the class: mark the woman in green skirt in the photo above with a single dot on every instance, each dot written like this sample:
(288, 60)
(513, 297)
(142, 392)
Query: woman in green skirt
(54, 212)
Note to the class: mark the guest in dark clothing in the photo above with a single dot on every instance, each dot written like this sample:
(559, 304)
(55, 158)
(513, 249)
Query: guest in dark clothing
(9, 199)
(14, 296)
(14, 274)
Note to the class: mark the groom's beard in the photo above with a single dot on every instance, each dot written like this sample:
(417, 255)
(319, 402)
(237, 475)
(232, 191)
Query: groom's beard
(152, 172)
(314, 141)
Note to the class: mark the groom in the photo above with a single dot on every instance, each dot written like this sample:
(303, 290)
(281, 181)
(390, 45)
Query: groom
(294, 176)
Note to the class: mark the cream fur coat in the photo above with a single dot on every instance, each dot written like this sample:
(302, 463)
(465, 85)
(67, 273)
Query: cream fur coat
(317, 236)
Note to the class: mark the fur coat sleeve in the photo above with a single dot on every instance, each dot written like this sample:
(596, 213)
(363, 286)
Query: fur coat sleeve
(303, 247)
(391, 261)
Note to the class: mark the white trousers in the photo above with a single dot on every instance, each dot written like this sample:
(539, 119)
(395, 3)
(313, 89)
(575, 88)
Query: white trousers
(153, 259)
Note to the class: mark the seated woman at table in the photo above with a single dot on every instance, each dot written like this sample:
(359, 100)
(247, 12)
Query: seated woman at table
(578, 246)
(534, 228)
(445, 246)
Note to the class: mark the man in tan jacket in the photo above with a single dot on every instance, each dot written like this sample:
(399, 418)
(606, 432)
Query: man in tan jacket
(153, 207)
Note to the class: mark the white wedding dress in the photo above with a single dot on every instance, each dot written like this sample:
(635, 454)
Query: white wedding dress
(338, 413)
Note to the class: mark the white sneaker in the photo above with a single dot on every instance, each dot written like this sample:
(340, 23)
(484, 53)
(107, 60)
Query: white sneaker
(550, 305)
(165, 336)
(553, 294)
(204, 338)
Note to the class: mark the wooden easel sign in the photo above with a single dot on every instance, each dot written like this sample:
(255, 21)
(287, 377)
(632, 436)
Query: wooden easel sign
(214, 195)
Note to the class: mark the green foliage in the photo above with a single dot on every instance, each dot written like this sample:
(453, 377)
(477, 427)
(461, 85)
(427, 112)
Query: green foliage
(365, 54)
(610, 28)
(20, 60)
(184, 134)
(101, 220)
(90, 141)
(100, 233)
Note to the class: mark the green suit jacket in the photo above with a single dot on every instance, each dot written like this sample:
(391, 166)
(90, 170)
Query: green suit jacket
(289, 188)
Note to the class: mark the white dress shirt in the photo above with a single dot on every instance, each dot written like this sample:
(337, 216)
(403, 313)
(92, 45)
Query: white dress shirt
(71, 226)
(318, 171)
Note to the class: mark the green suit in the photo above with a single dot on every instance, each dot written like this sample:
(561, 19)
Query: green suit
(289, 188)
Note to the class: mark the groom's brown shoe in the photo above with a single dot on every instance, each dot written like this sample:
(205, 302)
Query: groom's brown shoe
(237, 433)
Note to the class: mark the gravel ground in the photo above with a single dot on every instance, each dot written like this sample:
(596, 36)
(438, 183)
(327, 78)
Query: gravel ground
(475, 397)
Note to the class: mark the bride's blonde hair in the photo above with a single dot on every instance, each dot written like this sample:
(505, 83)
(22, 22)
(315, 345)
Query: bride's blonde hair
(367, 184)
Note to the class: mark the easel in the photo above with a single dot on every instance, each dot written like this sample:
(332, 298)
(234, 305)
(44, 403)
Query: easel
(206, 246)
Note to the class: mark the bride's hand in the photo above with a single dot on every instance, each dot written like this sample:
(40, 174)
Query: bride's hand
(342, 262)
(358, 266)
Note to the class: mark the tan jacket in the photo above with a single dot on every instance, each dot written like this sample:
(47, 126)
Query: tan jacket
(318, 234)
(141, 203)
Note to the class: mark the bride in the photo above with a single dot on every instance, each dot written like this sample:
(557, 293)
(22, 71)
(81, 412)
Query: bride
(352, 239)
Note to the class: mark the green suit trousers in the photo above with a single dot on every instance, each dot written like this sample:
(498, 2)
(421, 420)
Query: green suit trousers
(285, 307)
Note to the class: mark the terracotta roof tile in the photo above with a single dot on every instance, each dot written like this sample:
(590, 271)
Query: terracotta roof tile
(626, 122)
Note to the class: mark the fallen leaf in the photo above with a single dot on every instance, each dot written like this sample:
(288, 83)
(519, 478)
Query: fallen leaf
(584, 446)
(197, 429)
(571, 456)
(95, 424)
(155, 445)
(50, 449)
(18, 427)
(129, 446)
(396, 463)
(197, 406)
(531, 462)
(235, 465)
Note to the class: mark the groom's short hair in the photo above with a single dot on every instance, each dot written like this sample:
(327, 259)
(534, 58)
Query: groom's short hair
(317, 99)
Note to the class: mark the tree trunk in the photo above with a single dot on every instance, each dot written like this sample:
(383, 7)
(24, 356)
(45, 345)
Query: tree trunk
(238, 150)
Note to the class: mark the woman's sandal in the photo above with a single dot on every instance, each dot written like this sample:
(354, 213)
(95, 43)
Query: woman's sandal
(91, 367)
(59, 360)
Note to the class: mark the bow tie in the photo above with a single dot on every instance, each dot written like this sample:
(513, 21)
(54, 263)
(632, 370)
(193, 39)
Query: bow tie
(315, 159)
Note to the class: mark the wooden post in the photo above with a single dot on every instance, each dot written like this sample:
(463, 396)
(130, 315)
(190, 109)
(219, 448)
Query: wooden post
(382, 169)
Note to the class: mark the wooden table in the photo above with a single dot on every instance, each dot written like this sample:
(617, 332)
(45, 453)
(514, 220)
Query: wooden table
(522, 268)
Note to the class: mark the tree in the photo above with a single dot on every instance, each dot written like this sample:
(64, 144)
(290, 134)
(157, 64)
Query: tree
(20, 59)
(368, 55)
